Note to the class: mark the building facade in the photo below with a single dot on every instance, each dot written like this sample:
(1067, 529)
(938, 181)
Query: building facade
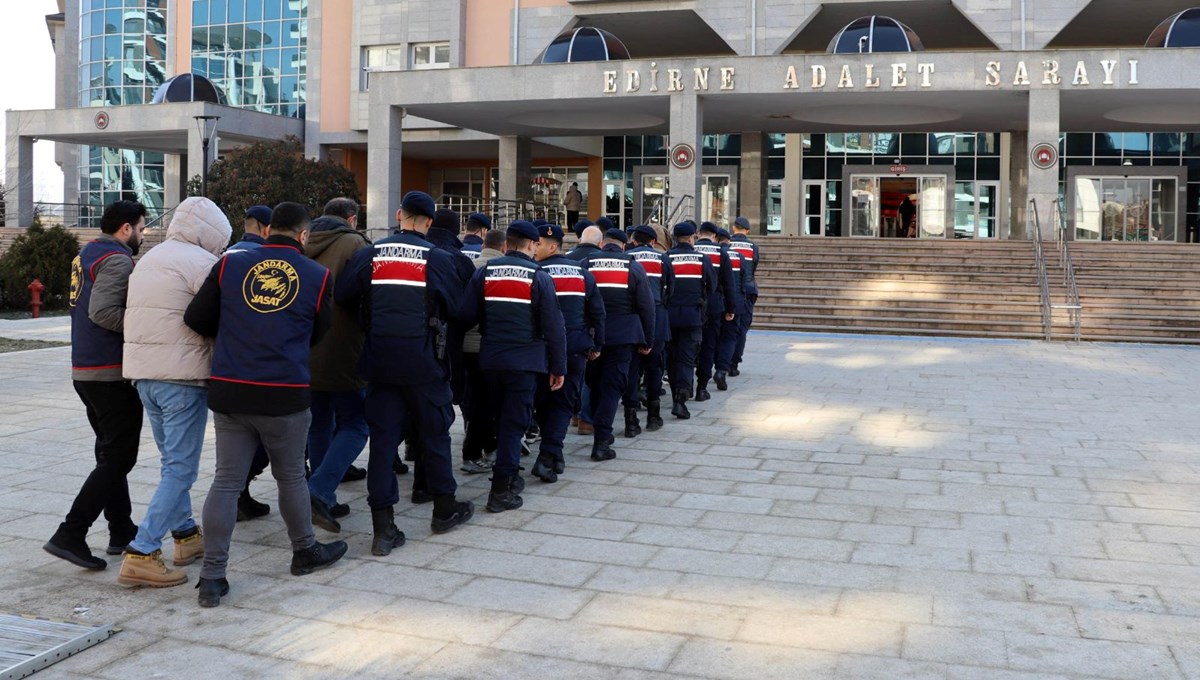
(894, 118)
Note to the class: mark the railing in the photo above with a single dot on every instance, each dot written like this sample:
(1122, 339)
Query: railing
(682, 208)
(504, 212)
(162, 220)
(67, 214)
(1039, 257)
(1074, 307)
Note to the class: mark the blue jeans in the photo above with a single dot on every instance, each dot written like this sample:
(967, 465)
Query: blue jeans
(585, 405)
(178, 416)
(336, 437)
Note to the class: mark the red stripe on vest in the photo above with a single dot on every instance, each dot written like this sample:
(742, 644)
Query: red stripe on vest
(746, 252)
(688, 268)
(715, 258)
(652, 267)
(508, 288)
(569, 284)
(611, 277)
(736, 262)
(390, 270)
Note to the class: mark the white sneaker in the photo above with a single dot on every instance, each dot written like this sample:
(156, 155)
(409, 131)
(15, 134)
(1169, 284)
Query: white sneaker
(476, 467)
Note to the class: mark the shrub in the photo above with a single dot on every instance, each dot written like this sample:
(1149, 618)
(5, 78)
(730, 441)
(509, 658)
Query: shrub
(43, 254)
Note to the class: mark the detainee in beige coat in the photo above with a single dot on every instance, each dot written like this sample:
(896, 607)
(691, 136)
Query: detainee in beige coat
(170, 365)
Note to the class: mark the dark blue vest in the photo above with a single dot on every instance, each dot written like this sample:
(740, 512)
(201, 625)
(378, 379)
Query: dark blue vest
(270, 297)
(472, 247)
(508, 315)
(92, 347)
(570, 286)
(749, 251)
(688, 297)
(739, 266)
(610, 268)
(398, 282)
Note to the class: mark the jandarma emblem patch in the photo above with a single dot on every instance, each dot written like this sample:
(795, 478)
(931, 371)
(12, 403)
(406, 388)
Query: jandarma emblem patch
(76, 280)
(271, 285)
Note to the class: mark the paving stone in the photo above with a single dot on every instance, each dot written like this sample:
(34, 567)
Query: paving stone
(737, 661)
(1103, 659)
(592, 643)
(521, 597)
(664, 616)
(968, 646)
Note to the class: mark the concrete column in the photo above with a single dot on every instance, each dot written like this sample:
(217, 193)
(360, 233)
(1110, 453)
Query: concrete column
(383, 168)
(18, 209)
(176, 186)
(195, 154)
(515, 165)
(1044, 124)
(1018, 182)
(793, 175)
(752, 180)
(687, 127)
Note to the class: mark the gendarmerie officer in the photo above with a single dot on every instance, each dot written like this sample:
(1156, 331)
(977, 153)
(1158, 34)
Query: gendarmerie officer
(515, 306)
(722, 307)
(695, 282)
(582, 308)
(731, 330)
(405, 290)
(477, 225)
(662, 280)
(628, 328)
(750, 254)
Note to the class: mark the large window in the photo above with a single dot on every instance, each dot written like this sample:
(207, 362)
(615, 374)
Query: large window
(254, 51)
(431, 55)
(379, 57)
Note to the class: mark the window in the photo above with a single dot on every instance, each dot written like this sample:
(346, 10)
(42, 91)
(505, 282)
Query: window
(431, 55)
(380, 58)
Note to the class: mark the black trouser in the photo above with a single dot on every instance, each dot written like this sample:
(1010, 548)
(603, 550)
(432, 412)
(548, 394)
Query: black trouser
(115, 413)
(572, 218)
(481, 425)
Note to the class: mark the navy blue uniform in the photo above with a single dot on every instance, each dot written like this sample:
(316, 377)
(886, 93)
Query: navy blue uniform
(583, 313)
(731, 331)
(405, 291)
(582, 252)
(724, 302)
(651, 366)
(628, 324)
(750, 254)
(695, 282)
(472, 246)
(523, 339)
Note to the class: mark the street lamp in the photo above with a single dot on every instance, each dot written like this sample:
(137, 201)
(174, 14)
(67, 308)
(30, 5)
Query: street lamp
(207, 127)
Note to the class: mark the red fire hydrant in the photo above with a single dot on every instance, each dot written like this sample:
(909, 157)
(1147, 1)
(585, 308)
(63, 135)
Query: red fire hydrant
(35, 293)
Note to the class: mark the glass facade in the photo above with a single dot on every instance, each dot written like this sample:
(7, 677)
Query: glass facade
(254, 51)
(122, 61)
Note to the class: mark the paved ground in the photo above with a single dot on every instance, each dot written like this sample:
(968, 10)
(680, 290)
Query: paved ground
(855, 507)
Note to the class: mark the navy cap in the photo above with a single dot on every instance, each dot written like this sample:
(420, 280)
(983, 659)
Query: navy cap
(538, 221)
(480, 219)
(524, 229)
(261, 213)
(447, 219)
(708, 228)
(722, 233)
(550, 231)
(684, 229)
(581, 225)
(418, 203)
(646, 230)
(604, 223)
(616, 235)
(741, 223)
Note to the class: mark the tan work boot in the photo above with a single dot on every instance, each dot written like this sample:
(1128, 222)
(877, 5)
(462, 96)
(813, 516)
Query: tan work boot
(190, 549)
(149, 570)
(586, 428)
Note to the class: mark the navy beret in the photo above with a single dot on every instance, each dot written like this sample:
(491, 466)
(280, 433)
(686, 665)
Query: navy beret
(684, 229)
(261, 213)
(418, 203)
(524, 229)
(550, 231)
(581, 225)
(741, 223)
(604, 223)
(708, 228)
(481, 219)
(645, 230)
(722, 233)
(447, 219)
(616, 235)
(537, 222)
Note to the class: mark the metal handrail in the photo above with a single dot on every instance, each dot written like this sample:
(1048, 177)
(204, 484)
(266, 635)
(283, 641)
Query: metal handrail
(685, 200)
(1039, 257)
(1074, 307)
(503, 211)
(162, 220)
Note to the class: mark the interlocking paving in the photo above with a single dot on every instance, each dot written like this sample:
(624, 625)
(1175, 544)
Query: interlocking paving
(854, 507)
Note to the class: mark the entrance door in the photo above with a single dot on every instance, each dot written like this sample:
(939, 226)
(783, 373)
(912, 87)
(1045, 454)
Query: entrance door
(615, 201)
(652, 200)
(718, 200)
(864, 206)
(775, 206)
(975, 209)
(813, 195)
(931, 220)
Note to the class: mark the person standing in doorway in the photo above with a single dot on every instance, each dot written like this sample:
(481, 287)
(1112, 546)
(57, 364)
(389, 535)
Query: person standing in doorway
(908, 218)
(572, 202)
(99, 287)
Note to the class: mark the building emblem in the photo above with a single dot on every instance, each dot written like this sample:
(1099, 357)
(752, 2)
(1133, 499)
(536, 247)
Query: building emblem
(1044, 156)
(271, 286)
(101, 120)
(682, 156)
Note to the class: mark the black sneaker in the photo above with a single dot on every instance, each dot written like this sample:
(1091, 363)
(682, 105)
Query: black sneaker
(319, 556)
(499, 502)
(339, 510)
(354, 474)
(399, 466)
(517, 483)
(702, 394)
(463, 511)
(734, 372)
(421, 496)
(211, 591)
(74, 551)
(322, 517)
(719, 379)
(248, 508)
(120, 539)
(544, 471)
(601, 452)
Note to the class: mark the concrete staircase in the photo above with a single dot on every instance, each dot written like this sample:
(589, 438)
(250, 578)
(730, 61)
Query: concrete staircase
(1139, 292)
(899, 287)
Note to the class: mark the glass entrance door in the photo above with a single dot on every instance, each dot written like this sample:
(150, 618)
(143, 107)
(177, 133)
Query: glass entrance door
(931, 220)
(775, 206)
(615, 201)
(864, 206)
(718, 200)
(814, 208)
(1125, 208)
(653, 208)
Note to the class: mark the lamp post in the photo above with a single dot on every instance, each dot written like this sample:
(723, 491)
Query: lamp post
(207, 126)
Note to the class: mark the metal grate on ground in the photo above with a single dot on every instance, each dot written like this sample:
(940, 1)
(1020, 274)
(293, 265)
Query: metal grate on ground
(30, 644)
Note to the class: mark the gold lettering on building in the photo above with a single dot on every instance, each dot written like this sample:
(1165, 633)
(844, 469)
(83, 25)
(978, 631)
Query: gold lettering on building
(790, 82)
(727, 74)
(1022, 77)
(674, 80)
(899, 75)
(992, 74)
(1050, 73)
(1081, 76)
(1109, 67)
(872, 80)
(610, 82)
(845, 81)
(819, 77)
(633, 80)
(701, 79)
(926, 71)
(1133, 74)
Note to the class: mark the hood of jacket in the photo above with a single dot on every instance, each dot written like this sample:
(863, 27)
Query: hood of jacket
(199, 222)
(327, 223)
(320, 241)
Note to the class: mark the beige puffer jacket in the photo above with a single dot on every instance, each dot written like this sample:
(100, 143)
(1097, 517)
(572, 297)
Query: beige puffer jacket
(158, 346)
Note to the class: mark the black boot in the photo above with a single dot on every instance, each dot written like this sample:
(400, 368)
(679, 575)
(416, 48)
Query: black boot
(120, 537)
(322, 515)
(421, 496)
(559, 465)
(318, 556)
(702, 391)
(502, 496)
(734, 372)
(602, 451)
(679, 409)
(211, 591)
(543, 469)
(449, 513)
(632, 427)
(399, 466)
(75, 551)
(248, 508)
(354, 474)
(719, 379)
(385, 535)
(654, 421)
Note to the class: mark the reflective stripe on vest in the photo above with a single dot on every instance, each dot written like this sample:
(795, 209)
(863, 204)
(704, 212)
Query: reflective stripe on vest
(610, 272)
(687, 265)
(508, 315)
(399, 264)
(570, 287)
(713, 252)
